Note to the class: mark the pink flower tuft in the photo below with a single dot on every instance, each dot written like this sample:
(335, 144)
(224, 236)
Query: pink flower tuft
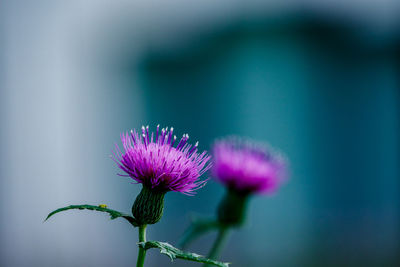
(152, 160)
(247, 167)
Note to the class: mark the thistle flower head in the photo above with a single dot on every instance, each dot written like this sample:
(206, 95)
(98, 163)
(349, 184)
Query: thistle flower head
(247, 167)
(153, 160)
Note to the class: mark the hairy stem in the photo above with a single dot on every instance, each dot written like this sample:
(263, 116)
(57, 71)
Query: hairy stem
(142, 251)
(218, 244)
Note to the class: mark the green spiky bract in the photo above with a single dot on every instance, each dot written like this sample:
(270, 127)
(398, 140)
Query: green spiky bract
(149, 206)
(232, 209)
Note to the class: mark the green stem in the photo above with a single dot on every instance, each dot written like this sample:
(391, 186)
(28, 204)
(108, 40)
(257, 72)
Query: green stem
(218, 244)
(142, 251)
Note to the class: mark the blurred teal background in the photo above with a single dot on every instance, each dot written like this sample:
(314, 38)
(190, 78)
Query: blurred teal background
(319, 81)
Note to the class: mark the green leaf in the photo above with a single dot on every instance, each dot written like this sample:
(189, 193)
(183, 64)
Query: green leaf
(196, 229)
(174, 253)
(113, 213)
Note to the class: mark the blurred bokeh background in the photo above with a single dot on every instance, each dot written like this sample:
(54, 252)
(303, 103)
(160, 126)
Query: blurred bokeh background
(317, 79)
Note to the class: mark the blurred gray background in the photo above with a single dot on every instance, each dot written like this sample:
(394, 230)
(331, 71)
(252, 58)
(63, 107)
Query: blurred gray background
(319, 80)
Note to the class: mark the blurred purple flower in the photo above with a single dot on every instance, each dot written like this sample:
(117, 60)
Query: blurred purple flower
(247, 167)
(152, 160)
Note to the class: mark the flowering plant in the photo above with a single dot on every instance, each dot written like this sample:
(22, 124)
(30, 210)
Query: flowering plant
(152, 160)
(245, 168)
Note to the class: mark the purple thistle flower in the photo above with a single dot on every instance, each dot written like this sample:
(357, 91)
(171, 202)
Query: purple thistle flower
(152, 160)
(247, 167)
